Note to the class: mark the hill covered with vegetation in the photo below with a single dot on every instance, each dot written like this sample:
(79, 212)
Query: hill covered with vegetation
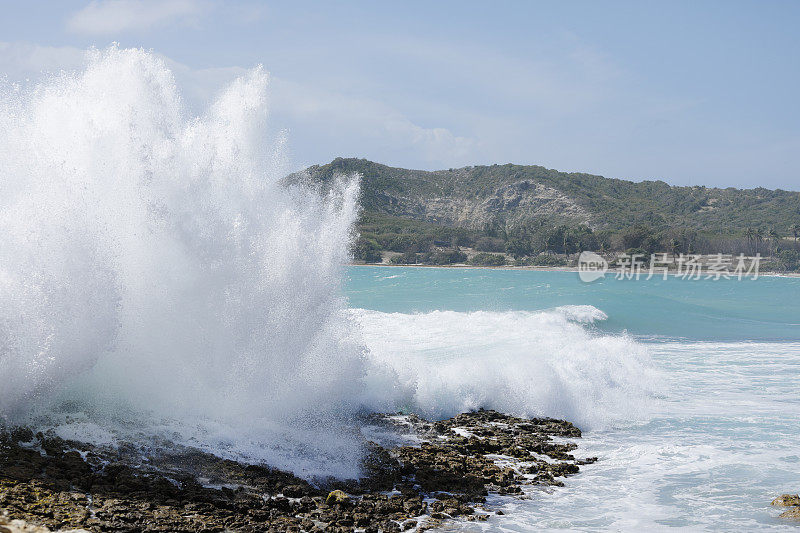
(526, 211)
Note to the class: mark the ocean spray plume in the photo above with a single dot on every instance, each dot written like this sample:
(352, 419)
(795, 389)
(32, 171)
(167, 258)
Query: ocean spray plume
(158, 279)
(154, 269)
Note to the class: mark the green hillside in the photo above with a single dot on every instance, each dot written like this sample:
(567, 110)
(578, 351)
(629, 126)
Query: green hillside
(526, 210)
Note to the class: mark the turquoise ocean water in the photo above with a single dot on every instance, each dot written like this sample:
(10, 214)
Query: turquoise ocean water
(767, 308)
(688, 391)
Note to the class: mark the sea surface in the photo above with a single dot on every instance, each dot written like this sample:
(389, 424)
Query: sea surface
(687, 390)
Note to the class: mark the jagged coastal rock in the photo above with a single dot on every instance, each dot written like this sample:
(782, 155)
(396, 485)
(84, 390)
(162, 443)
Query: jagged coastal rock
(21, 526)
(792, 501)
(447, 475)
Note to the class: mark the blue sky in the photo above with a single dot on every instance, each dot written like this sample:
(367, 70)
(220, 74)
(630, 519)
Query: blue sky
(688, 92)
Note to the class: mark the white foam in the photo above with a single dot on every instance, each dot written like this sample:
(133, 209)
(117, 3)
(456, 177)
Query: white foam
(719, 447)
(526, 363)
(583, 314)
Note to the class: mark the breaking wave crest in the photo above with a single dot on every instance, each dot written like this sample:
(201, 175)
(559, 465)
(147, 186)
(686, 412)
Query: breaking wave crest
(546, 363)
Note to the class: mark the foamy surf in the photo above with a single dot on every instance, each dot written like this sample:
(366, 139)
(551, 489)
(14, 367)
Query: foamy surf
(547, 363)
(717, 449)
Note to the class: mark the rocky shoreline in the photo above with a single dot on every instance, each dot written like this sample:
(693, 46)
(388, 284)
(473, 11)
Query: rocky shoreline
(446, 476)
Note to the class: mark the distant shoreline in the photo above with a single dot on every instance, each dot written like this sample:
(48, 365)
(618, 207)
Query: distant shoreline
(553, 269)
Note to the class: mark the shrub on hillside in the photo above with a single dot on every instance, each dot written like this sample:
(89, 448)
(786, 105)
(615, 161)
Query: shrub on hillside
(484, 259)
(490, 244)
(788, 260)
(444, 258)
(367, 250)
(545, 260)
(408, 258)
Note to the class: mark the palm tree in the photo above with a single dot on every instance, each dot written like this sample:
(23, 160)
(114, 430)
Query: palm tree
(673, 246)
(750, 233)
(775, 238)
(759, 236)
(690, 241)
(795, 231)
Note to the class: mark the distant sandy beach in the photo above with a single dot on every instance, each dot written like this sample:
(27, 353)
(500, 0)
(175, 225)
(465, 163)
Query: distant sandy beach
(548, 269)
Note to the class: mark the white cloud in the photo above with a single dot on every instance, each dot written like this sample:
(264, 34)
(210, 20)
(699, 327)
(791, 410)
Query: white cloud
(323, 123)
(349, 125)
(23, 61)
(104, 17)
(437, 145)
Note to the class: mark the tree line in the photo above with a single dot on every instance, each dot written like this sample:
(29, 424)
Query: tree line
(543, 244)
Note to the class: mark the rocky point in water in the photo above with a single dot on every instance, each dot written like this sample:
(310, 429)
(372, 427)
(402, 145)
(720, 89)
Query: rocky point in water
(792, 501)
(446, 475)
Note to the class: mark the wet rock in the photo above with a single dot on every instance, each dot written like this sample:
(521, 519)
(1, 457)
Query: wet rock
(792, 501)
(20, 526)
(59, 484)
(787, 500)
(792, 513)
(337, 496)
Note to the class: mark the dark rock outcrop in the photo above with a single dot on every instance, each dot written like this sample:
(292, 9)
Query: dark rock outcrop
(61, 484)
